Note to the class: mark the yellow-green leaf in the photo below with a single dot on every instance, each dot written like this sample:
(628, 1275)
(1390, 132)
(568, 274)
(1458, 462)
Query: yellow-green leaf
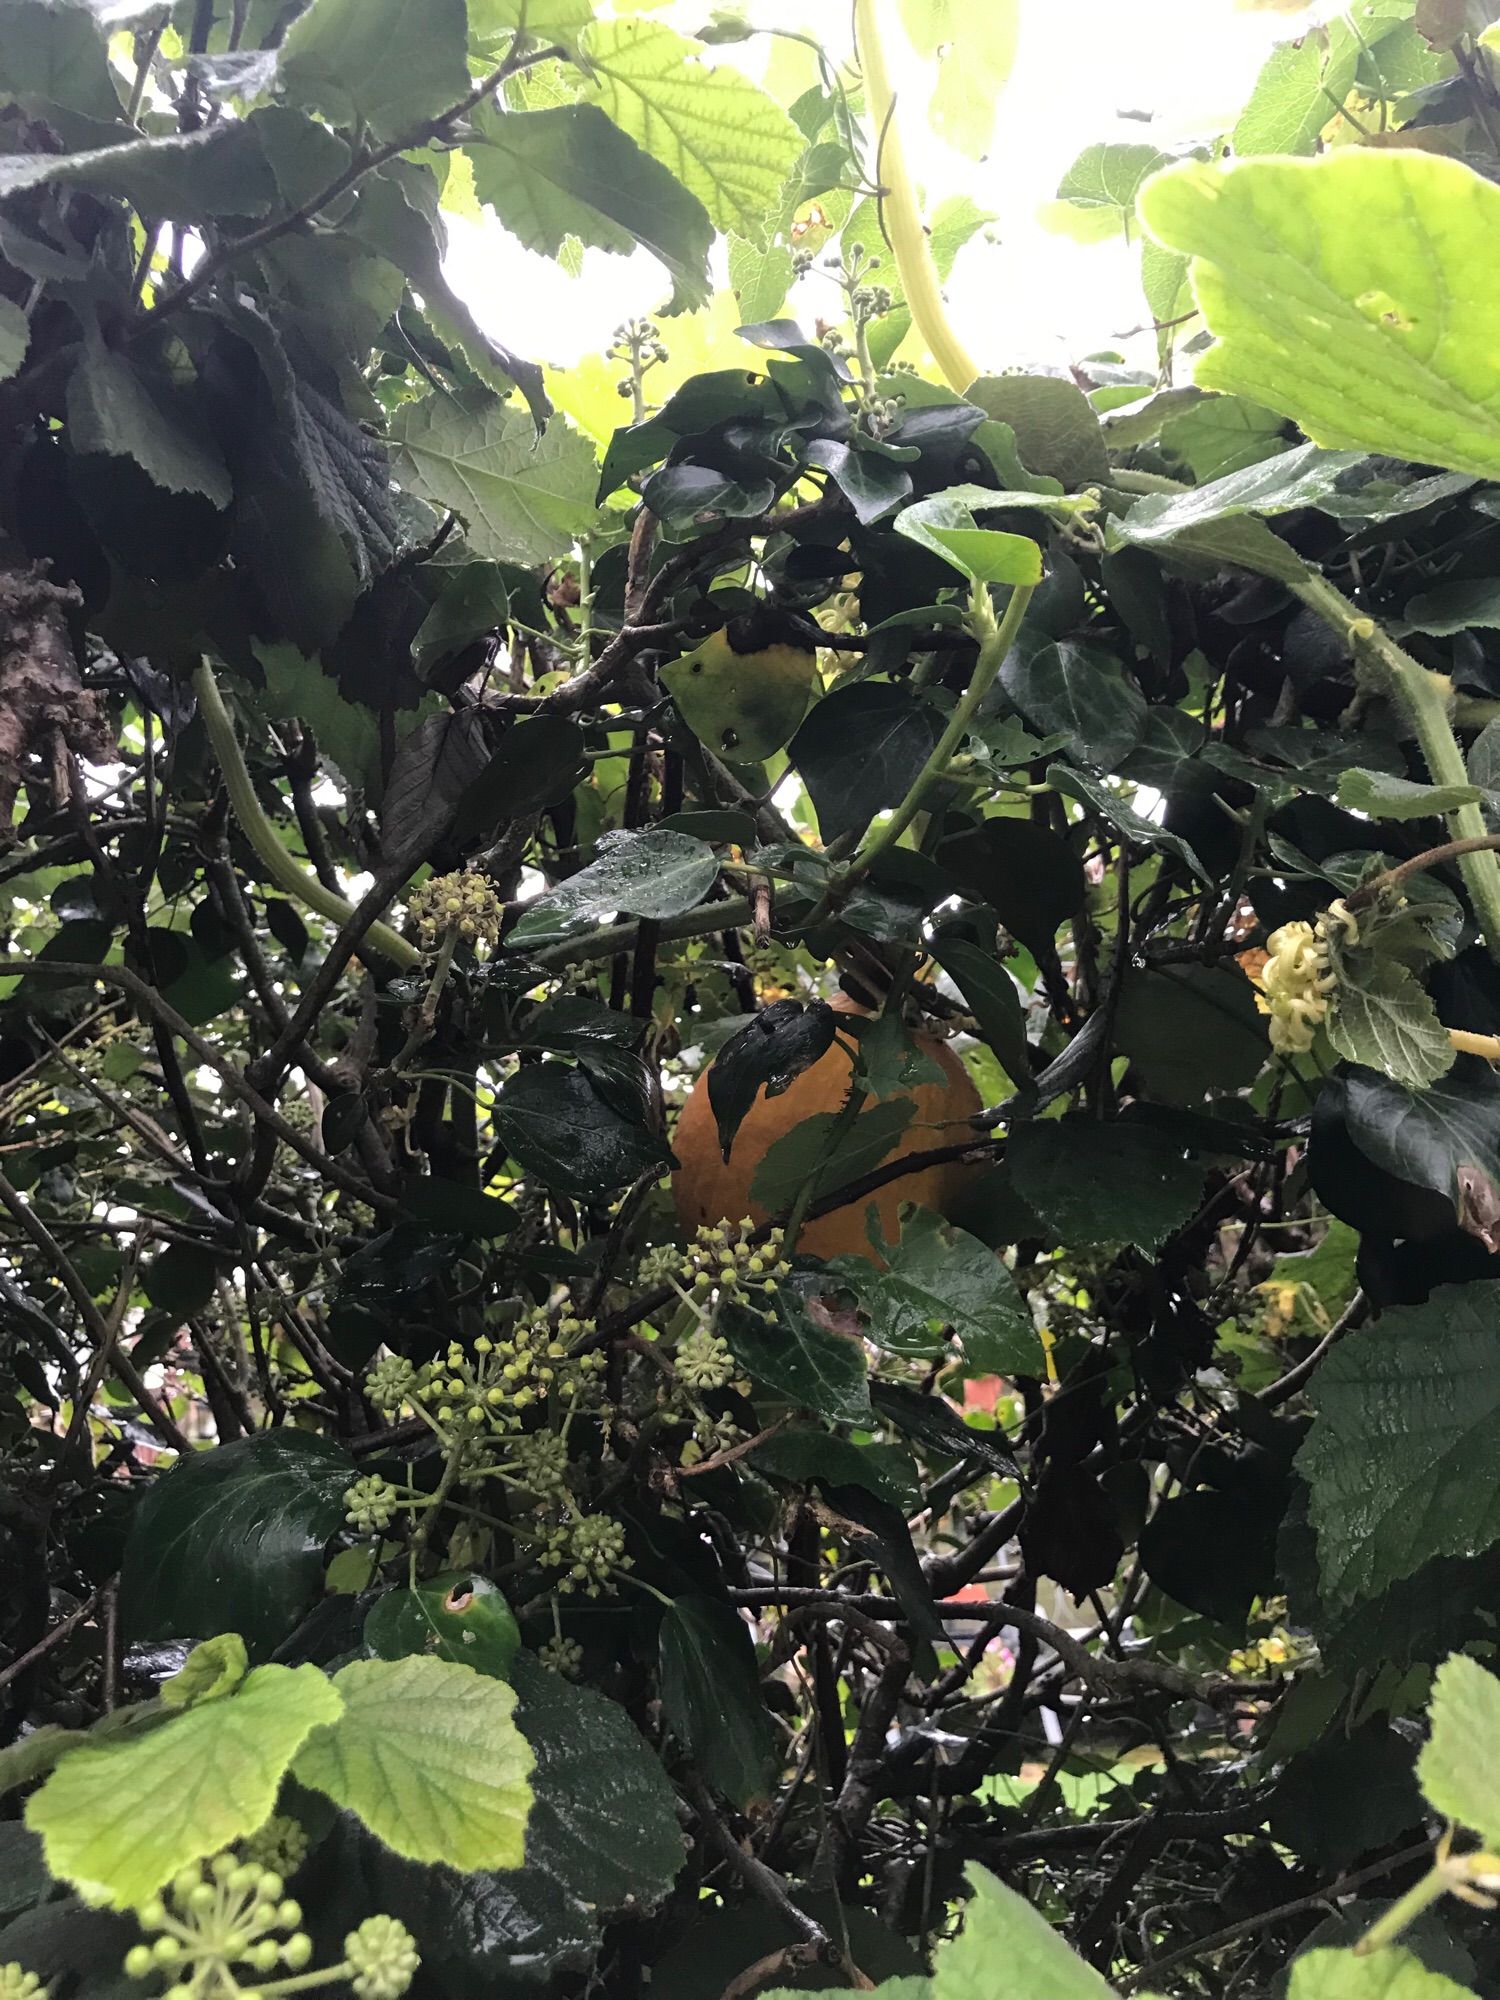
(722, 137)
(1356, 293)
(119, 1819)
(427, 1753)
(1459, 1769)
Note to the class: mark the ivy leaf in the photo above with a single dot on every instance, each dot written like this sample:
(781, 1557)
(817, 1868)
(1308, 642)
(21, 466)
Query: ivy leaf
(1074, 689)
(556, 1125)
(458, 1616)
(118, 1820)
(1338, 291)
(791, 1357)
(568, 170)
(1459, 1769)
(1385, 1498)
(726, 141)
(232, 1539)
(427, 1753)
(656, 873)
(770, 1051)
(710, 1696)
(1097, 1184)
(945, 524)
(523, 498)
(1385, 1019)
(940, 1276)
(1299, 478)
(804, 1153)
(384, 64)
(1056, 429)
(1031, 878)
(860, 749)
(1384, 796)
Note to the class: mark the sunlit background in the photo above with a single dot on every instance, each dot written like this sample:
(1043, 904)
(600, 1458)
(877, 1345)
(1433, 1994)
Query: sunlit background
(1165, 71)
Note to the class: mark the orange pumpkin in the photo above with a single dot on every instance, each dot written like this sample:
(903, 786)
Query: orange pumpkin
(707, 1189)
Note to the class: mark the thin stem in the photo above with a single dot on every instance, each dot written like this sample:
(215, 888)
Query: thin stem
(1422, 698)
(902, 217)
(1404, 1912)
(283, 869)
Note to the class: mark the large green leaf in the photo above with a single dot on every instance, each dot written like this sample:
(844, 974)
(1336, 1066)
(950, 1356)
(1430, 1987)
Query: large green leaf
(120, 1819)
(1385, 1019)
(1383, 1975)
(383, 64)
(711, 1698)
(55, 55)
(603, 1837)
(557, 1126)
(1403, 1458)
(804, 1153)
(1056, 430)
(1096, 196)
(1003, 1929)
(114, 409)
(189, 177)
(726, 141)
(1352, 292)
(428, 1754)
(232, 1539)
(1073, 689)
(1299, 478)
(793, 1358)
(524, 498)
(941, 1277)
(458, 1616)
(944, 523)
(656, 873)
(568, 170)
(1097, 1184)
(1459, 1769)
(860, 749)
(975, 49)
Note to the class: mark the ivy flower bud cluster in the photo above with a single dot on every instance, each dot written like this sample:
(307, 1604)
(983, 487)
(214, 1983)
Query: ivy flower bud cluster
(588, 1550)
(381, 1959)
(280, 1845)
(371, 1504)
(562, 1656)
(703, 1360)
(511, 1374)
(228, 1912)
(391, 1383)
(540, 1461)
(464, 904)
(1296, 982)
(724, 1260)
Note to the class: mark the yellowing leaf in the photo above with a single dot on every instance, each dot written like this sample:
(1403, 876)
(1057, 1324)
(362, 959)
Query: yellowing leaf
(743, 705)
(723, 138)
(118, 1820)
(1356, 293)
(427, 1753)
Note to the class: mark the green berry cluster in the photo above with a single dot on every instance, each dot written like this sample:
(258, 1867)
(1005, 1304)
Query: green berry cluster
(562, 1656)
(531, 1364)
(280, 1845)
(16, 1983)
(540, 1462)
(462, 903)
(703, 1360)
(381, 1957)
(211, 1918)
(724, 1260)
(391, 1383)
(588, 1550)
(371, 1504)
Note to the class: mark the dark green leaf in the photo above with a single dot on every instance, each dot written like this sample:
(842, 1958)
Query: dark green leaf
(382, 64)
(1097, 1184)
(711, 1699)
(537, 765)
(1076, 690)
(804, 1153)
(995, 1001)
(650, 874)
(232, 1539)
(791, 1357)
(1190, 1030)
(1056, 430)
(114, 408)
(180, 1279)
(555, 1124)
(809, 1455)
(456, 1616)
(1032, 879)
(935, 1424)
(941, 1277)
(771, 1051)
(861, 749)
(450, 1205)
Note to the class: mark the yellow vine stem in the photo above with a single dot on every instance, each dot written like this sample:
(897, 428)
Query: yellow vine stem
(288, 875)
(903, 218)
(1487, 1046)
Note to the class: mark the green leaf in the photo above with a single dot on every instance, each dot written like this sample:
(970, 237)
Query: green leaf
(726, 141)
(556, 1125)
(993, 998)
(1003, 1929)
(568, 170)
(427, 1753)
(1455, 607)
(1384, 1018)
(1299, 478)
(1096, 196)
(860, 749)
(384, 64)
(524, 498)
(113, 408)
(1350, 292)
(1097, 1184)
(945, 523)
(1459, 1769)
(791, 1357)
(940, 1276)
(215, 1668)
(802, 1153)
(977, 53)
(651, 874)
(1223, 434)
(1190, 1030)
(602, 1837)
(1301, 84)
(807, 1454)
(119, 1820)
(1073, 689)
(711, 1698)
(1055, 426)
(1383, 796)
(232, 1539)
(1383, 1975)
(458, 1616)
(191, 177)
(543, 21)
(15, 337)
(1403, 1458)
(55, 55)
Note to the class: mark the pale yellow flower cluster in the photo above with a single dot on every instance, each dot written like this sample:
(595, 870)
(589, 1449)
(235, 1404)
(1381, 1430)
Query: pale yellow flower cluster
(1296, 981)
